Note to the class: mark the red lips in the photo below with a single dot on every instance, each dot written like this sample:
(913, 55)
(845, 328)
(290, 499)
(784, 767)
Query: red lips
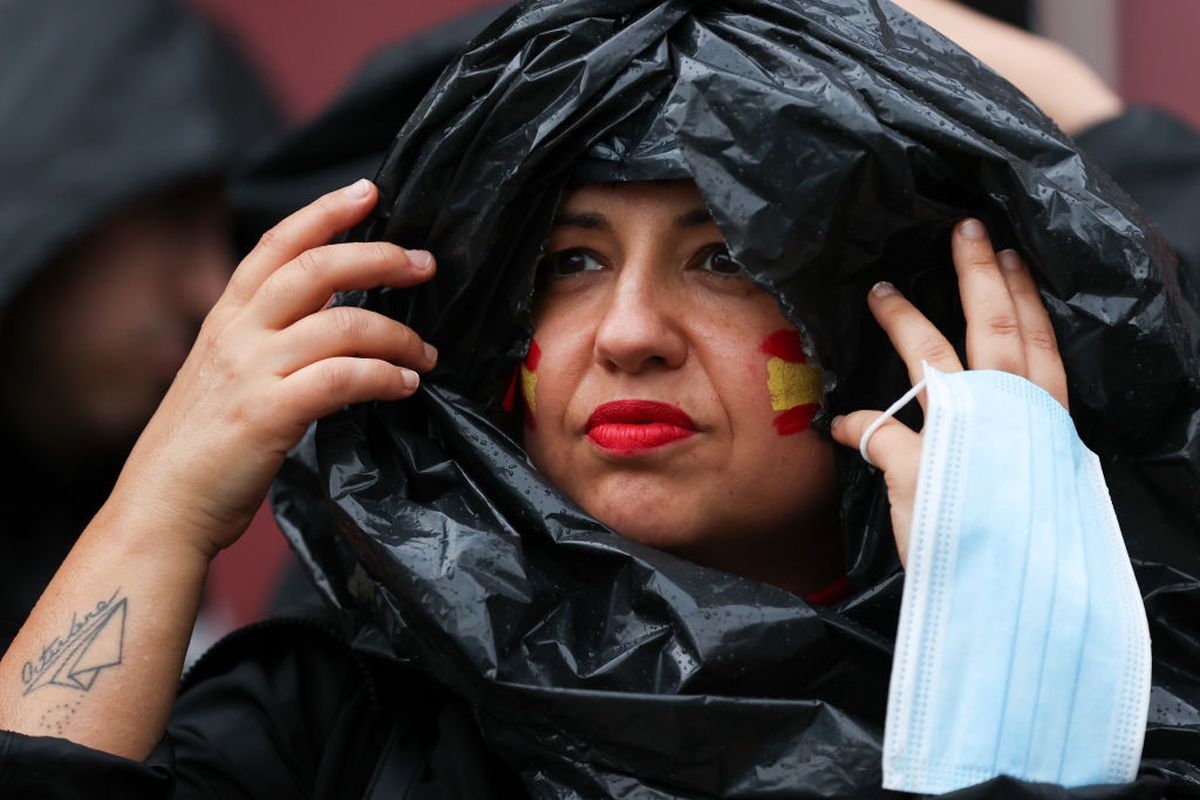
(628, 426)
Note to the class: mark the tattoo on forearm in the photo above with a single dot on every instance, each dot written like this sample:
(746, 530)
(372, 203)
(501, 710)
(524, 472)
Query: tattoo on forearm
(93, 643)
(56, 718)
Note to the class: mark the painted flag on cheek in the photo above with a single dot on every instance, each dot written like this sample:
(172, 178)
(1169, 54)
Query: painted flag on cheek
(529, 383)
(795, 386)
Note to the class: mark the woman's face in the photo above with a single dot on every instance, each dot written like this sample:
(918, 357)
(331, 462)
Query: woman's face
(667, 394)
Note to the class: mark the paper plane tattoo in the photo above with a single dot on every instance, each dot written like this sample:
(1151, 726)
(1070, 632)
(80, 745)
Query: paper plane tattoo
(93, 643)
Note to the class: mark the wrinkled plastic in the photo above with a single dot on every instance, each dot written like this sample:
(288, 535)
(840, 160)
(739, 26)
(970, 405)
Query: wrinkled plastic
(835, 142)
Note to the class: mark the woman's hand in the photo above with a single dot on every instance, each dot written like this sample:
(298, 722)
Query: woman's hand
(1008, 329)
(270, 359)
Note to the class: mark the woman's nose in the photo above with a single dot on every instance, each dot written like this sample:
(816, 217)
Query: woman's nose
(641, 326)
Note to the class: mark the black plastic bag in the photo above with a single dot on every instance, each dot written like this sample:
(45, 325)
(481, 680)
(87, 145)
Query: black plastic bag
(836, 142)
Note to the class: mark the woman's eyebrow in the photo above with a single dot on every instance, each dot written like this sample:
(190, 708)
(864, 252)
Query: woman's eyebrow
(589, 220)
(694, 218)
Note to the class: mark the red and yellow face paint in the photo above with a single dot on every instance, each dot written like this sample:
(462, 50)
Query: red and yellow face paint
(526, 376)
(529, 383)
(795, 386)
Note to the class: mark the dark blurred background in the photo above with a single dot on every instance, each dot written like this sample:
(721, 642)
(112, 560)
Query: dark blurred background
(309, 47)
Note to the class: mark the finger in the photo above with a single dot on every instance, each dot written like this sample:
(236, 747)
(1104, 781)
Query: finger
(915, 338)
(891, 447)
(348, 331)
(897, 451)
(312, 226)
(1043, 361)
(993, 332)
(303, 285)
(326, 386)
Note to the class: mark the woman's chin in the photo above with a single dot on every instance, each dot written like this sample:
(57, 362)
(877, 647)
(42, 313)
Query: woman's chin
(653, 525)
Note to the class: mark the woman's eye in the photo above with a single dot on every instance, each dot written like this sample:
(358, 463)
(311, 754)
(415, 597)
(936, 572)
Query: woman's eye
(570, 262)
(720, 262)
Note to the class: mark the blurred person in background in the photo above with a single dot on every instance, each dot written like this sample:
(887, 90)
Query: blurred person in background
(1151, 154)
(119, 123)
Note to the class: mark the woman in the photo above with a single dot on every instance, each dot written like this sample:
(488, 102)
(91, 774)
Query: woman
(589, 662)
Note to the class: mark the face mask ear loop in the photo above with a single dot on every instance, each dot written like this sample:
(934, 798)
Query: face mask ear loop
(892, 410)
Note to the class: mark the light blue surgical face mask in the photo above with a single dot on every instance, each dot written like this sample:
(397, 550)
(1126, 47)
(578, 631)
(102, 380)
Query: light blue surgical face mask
(1023, 647)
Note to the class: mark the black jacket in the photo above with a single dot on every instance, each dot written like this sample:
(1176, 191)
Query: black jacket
(283, 709)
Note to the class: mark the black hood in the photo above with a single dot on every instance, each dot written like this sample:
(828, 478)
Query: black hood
(836, 142)
(102, 103)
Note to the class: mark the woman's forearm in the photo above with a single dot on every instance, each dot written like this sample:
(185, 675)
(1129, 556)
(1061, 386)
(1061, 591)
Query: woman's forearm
(99, 659)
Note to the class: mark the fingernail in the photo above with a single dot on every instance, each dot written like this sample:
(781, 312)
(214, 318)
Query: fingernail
(972, 228)
(836, 421)
(430, 352)
(421, 259)
(883, 289)
(411, 379)
(1009, 259)
(359, 189)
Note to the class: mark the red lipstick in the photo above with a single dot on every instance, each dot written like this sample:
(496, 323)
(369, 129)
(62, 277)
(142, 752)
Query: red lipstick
(628, 426)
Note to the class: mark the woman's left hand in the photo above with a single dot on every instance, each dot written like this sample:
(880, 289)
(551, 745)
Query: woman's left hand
(1008, 329)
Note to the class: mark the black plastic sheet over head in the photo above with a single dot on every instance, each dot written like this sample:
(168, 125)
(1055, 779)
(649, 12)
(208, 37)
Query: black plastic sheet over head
(835, 142)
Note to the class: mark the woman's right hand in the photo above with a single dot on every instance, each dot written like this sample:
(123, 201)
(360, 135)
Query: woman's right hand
(271, 358)
(1008, 329)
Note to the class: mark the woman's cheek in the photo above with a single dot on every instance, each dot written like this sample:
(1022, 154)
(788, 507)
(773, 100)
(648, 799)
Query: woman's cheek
(794, 386)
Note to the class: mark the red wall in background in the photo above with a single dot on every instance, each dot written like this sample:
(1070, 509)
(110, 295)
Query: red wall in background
(1159, 63)
(308, 48)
